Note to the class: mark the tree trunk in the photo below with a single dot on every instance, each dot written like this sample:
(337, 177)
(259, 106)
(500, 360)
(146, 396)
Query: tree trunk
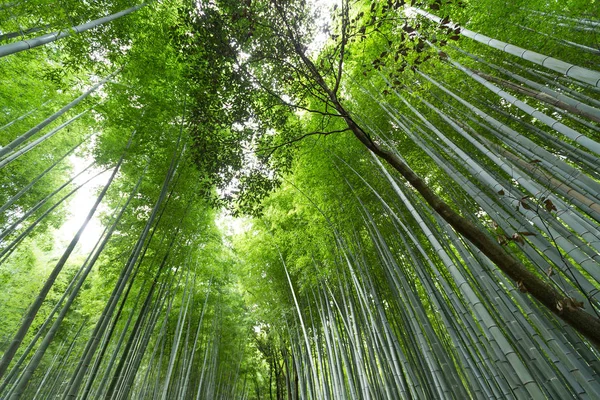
(579, 73)
(22, 45)
(24, 379)
(13, 156)
(546, 98)
(585, 323)
(11, 35)
(35, 306)
(22, 117)
(11, 146)
(25, 189)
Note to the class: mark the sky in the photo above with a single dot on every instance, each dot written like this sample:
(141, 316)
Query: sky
(79, 208)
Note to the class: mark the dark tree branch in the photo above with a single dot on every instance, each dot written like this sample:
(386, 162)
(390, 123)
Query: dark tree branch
(299, 138)
(286, 103)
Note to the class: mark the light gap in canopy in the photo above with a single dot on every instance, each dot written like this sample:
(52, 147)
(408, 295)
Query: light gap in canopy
(79, 206)
(230, 226)
(323, 10)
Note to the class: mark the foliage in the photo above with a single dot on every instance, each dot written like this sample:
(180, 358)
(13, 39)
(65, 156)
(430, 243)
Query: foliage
(344, 282)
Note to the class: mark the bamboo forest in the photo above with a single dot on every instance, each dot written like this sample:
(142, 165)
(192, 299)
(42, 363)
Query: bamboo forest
(299, 199)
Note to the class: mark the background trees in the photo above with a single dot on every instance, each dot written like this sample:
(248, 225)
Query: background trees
(346, 283)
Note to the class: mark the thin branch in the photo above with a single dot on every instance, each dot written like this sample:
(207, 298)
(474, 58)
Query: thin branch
(288, 104)
(345, 18)
(300, 73)
(299, 138)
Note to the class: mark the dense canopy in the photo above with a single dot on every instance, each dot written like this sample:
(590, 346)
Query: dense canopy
(291, 199)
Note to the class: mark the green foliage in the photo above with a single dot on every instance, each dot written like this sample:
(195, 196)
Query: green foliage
(226, 104)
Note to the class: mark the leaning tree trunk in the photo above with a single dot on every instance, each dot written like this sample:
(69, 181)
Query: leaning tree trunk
(15, 225)
(543, 97)
(35, 306)
(562, 306)
(572, 134)
(5, 253)
(22, 117)
(573, 71)
(26, 188)
(582, 108)
(562, 41)
(36, 359)
(22, 45)
(12, 35)
(16, 154)
(553, 163)
(11, 146)
(77, 378)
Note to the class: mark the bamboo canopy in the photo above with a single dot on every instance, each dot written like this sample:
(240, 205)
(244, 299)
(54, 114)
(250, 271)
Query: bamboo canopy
(299, 200)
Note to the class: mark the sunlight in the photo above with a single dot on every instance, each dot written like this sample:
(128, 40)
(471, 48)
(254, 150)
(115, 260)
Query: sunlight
(323, 9)
(79, 207)
(230, 225)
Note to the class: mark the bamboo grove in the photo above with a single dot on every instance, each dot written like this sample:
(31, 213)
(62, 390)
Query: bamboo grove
(300, 200)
